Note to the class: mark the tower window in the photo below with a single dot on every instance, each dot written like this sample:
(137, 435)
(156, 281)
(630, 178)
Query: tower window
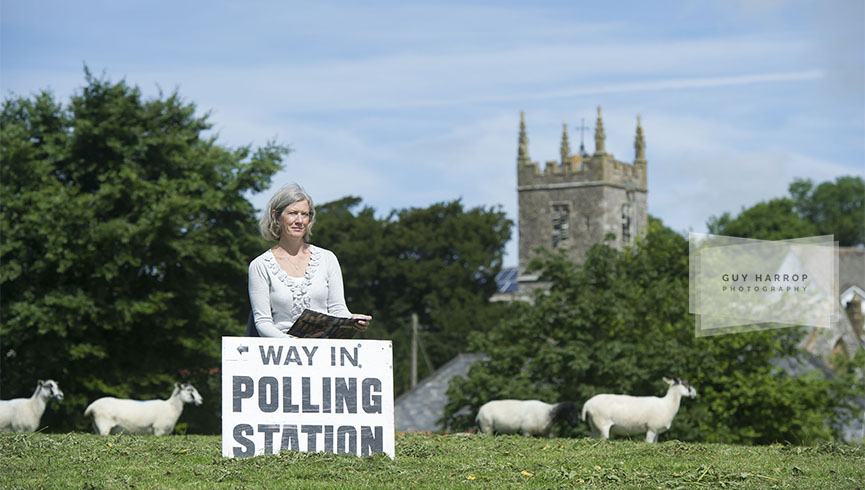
(626, 224)
(561, 213)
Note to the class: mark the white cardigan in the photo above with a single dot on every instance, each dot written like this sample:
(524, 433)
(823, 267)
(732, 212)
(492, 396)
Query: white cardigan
(278, 299)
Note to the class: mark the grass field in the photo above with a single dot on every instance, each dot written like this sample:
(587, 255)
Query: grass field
(87, 461)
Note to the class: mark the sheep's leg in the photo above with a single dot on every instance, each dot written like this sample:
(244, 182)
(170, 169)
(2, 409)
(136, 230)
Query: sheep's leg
(651, 436)
(594, 428)
(103, 427)
(605, 431)
(161, 429)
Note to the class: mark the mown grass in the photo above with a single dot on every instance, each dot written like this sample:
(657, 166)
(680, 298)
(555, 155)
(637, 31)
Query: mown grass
(87, 461)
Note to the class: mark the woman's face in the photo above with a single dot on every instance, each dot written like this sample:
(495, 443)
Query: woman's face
(294, 219)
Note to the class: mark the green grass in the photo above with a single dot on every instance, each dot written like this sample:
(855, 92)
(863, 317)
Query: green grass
(88, 461)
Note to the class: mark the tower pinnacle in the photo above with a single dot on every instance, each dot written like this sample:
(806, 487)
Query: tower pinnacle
(523, 144)
(566, 146)
(600, 136)
(639, 143)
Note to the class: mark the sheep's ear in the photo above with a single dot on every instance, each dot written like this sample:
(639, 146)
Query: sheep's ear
(668, 380)
(40, 382)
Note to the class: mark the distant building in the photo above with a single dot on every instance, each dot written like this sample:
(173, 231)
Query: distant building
(574, 203)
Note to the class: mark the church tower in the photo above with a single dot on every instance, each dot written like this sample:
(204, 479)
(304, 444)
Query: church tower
(580, 200)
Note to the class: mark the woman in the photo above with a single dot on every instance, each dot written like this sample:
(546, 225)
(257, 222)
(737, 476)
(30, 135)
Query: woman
(294, 275)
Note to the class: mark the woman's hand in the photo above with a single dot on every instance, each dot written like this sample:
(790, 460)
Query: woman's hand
(361, 322)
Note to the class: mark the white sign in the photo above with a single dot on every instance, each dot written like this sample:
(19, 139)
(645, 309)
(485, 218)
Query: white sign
(306, 395)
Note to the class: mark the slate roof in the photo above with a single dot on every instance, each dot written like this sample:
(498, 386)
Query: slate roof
(851, 268)
(420, 408)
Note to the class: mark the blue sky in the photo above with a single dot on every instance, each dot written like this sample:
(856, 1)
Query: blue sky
(409, 103)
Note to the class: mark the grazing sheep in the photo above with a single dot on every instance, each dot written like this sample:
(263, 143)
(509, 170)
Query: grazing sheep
(141, 417)
(526, 417)
(23, 414)
(628, 415)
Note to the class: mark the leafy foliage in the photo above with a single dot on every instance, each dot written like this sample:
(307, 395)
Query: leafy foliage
(126, 239)
(831, 208)
(835, 208)
(619, 324)
(439, 262)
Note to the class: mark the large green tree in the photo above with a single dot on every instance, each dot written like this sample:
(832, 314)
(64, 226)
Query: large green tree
(620, 323)
(836, 208)
(125, 243)
(830, 208)
(439, 262)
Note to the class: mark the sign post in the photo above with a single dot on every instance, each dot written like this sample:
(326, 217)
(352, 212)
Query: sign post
(306, 395)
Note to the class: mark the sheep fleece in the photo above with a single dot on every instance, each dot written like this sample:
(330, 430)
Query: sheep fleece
(527, 417)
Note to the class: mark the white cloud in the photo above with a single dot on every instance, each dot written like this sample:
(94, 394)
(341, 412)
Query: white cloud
(699, 169)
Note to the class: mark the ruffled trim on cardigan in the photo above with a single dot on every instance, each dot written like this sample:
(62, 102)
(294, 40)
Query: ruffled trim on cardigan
(300, 299)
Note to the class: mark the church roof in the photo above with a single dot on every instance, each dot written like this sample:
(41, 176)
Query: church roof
(420, 408)
(851, 268)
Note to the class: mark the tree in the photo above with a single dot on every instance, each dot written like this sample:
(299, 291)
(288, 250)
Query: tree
(828, 209)
(835, 208)
(125, 243)
(439, 262)
(357, 239)
(619, 324)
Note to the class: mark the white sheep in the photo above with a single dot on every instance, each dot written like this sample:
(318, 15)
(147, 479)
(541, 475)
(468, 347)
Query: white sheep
(24, 414)
(628, 415)
(526, 417)
(141, 417)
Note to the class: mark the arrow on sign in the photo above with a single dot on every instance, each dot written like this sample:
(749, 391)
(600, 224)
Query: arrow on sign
(242, 349)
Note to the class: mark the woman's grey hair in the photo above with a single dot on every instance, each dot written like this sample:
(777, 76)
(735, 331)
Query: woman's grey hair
(268, 225)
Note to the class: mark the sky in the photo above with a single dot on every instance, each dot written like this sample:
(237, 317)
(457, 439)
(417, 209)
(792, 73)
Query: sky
(405, 104)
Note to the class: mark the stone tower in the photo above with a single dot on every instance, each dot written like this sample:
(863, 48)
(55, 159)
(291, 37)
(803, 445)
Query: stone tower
(580, 200)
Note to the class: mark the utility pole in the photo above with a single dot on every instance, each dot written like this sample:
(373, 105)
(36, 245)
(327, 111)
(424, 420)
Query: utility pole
(414, 322)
